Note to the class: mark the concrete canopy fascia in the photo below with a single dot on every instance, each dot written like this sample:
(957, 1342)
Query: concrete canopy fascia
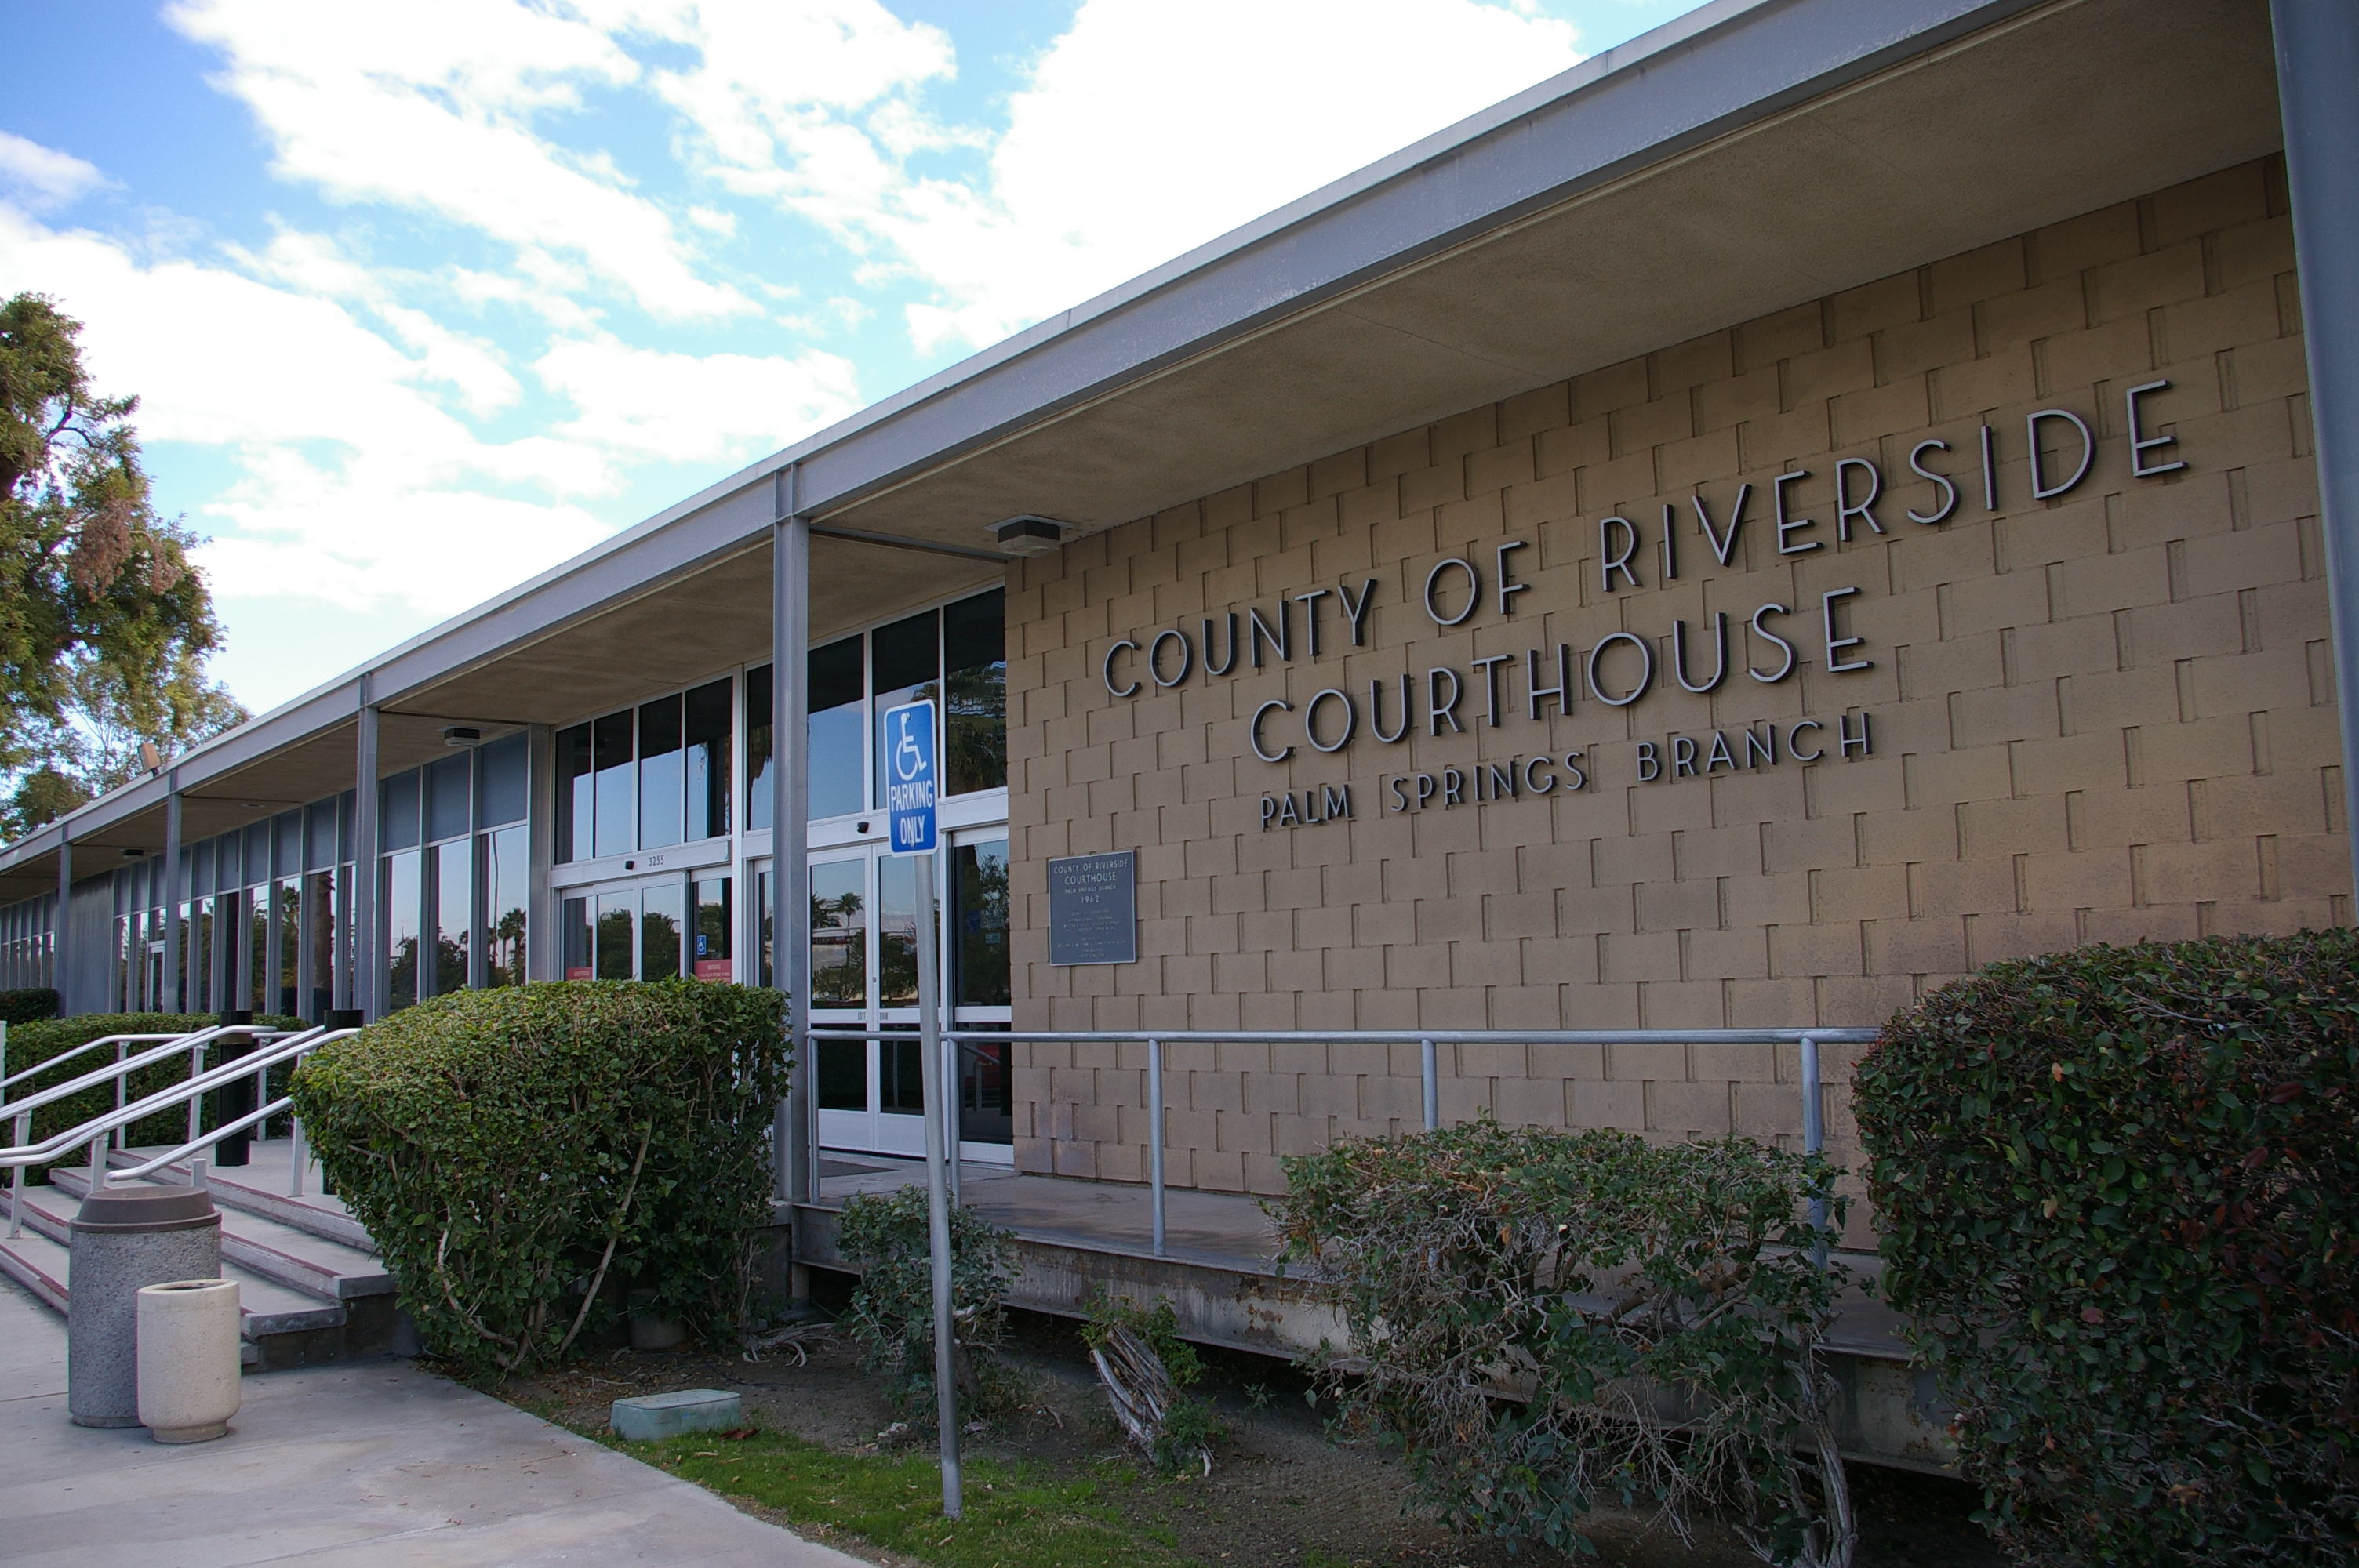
(1661, 97)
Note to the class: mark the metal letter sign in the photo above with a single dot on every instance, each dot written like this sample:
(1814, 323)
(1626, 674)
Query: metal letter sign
(909, 778)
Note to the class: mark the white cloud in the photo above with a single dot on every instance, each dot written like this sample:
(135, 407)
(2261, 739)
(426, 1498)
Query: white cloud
(431, 106)
(694, 407)
(44, 178)
(1145, 130)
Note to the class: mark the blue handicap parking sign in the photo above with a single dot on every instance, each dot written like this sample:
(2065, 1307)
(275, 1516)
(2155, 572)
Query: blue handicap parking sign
(910, 789)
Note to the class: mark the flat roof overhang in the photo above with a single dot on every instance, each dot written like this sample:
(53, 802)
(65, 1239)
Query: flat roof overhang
(1751, 156)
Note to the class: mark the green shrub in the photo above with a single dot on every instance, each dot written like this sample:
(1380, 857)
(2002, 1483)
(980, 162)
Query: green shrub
(1541, 1319)
(2119, 1192)
(29, 1005)
(885, 1236)
(31, 1044)
(514, 1152)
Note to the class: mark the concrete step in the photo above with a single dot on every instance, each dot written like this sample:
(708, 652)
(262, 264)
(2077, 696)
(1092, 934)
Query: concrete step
(260, 1188)
(40, 1260)
(298, 1260)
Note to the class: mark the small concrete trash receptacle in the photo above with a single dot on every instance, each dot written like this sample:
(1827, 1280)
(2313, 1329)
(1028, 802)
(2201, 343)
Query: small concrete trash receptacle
(188, 1359)
(125, 1239)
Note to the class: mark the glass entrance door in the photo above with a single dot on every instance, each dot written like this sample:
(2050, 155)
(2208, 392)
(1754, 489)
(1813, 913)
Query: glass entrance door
(864, 916)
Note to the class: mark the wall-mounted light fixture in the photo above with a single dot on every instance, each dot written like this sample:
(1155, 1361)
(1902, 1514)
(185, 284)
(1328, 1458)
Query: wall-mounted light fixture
(1028, 534)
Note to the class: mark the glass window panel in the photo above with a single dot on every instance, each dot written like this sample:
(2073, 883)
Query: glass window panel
(201, 867)
(290, 1000)
(506, 890)
(575, 807)
(319, 835)
(319, 936)
(839, 934)
(763, 914)
(617, 934)
(843, 1075)
(660, 919)
(398, 811)
(454, 882)
(447, 783)
(709, 722)
(902, 1065)
(574, 918)
(502, 770)
(287, 844)
(610, 750)
(257, 854)
(974, 701)
(196, 956)
(838, 723)
(986, 1092)
(713, 925)
(979, 933)
(400, 891)
(758, 802)
(347, 831)
(897, 932)
(659, 772)
(907, 655)
(256, 990)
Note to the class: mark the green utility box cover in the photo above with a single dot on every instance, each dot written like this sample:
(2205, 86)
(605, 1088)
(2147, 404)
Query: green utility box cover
(650, 1416)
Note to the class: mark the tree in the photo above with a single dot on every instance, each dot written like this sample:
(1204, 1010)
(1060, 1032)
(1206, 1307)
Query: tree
(104, 623)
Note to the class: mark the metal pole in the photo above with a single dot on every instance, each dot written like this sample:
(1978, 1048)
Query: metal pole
(98, 1163)
(1433, 1070)
(196, 1101)
(938, 1197)
(1814, 1130)
(175, 888)
(2318, 61)
(16, 1178)
(1154, 1138)
(790, 830)
(368, 944)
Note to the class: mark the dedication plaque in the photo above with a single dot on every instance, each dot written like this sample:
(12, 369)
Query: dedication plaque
(1094, 909)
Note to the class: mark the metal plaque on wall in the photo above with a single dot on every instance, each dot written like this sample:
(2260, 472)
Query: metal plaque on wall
(1093, 908)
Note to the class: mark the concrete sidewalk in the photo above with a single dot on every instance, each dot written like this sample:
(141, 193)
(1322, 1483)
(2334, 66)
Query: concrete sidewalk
(366, 1463)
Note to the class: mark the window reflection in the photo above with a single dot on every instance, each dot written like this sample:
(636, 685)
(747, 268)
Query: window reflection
(979, 938)
(506, 888)
(398, 905)
(659, 928)
(838, 724)
(611, 752)
(708, 726)
(839, 935)
(576, 799)
(451, 917)
(711, 951)
(897, 932)
(974, 701)
(661, 774)
(616, 934)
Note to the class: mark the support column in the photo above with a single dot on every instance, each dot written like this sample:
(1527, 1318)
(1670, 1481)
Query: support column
(368, 946)
(542, 929)
(2318, 62)
(61, 939)
(790, 810)
(175, 999)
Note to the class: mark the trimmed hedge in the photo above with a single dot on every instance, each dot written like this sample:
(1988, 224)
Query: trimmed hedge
(29, 1005)
(29, 1044)
(2119, 1193)
(522, 1155)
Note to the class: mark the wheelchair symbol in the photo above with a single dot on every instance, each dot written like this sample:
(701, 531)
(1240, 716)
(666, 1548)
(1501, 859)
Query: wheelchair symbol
(909, 756)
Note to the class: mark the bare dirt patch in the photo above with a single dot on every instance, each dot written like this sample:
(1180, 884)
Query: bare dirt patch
(1283, 1491)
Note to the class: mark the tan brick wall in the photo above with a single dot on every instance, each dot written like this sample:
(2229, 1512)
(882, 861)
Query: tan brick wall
(2102, 718)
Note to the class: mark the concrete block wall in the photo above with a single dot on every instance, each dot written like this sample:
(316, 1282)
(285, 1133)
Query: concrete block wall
(2101, 717)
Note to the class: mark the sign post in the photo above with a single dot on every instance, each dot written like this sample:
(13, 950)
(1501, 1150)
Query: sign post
(909, 796)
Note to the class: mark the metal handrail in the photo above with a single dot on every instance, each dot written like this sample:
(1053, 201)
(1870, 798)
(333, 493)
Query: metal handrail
(120, 1069)
(283, 1104)
(40, 1067)
(1429, 1041)
(213, 1077)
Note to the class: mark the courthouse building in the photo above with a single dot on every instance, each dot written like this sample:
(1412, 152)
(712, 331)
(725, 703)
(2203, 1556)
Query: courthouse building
(1823, 497)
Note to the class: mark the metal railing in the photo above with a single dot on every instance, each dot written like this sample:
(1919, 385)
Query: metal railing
(1429, 1042)
(273, 1048)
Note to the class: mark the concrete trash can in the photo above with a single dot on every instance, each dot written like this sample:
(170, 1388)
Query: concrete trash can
(188, 1359)
(125, 1239)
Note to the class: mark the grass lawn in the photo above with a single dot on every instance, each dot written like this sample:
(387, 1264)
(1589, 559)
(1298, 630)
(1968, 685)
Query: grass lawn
(1015, 1517)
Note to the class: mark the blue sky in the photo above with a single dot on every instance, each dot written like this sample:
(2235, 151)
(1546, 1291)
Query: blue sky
(422, 299)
